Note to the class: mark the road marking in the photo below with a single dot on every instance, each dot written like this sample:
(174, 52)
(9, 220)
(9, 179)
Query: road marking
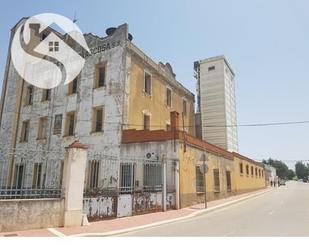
(56, 232)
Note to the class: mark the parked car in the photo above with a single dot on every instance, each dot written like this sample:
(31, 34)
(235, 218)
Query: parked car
(305, 180)
(281, 182)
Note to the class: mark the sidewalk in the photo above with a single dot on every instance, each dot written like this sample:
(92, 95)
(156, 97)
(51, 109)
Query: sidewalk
(126, 224)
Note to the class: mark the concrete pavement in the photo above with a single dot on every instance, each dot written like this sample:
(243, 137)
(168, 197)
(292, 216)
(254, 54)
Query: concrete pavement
(283, 212)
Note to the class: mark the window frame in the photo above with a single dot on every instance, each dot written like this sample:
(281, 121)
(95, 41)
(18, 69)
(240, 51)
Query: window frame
(199, 180)
(216, 177)
(144, 121)
(57, 131)
(68, 124)
(46, 95)
(168, 96)
(25, 130)
(228, 181)
(42, 128)
(98, 83)
(147, 89)
(95, 111)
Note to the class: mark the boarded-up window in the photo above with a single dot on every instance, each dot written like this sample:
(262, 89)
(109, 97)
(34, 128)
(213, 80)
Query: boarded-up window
(216, 180)
(200, 187)
(147, 83)
(228, 181)
(25, 131)
(57, 124)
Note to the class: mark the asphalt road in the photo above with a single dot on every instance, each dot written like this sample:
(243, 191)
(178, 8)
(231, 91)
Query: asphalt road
(281, 212)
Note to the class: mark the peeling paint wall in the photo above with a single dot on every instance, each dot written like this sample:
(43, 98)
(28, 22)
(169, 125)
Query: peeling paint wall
(100, 207)
(124, 207)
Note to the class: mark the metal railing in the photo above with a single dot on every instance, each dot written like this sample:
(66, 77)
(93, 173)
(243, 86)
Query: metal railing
(30, 193)
(30, 174)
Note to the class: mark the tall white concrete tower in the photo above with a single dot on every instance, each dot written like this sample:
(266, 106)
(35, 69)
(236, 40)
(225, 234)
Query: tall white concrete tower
(216, 103)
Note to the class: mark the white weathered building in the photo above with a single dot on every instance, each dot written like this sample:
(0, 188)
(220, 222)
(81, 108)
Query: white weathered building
(216, 102)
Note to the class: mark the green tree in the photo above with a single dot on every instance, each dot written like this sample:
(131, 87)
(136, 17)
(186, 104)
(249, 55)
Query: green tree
(281, 168)
(291, 174)
(301, 170)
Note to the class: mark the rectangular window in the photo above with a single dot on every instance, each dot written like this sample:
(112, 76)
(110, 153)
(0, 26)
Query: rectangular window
(70, 124)
(98, 117)
(252, 173)
(200, 187)
(184, 107)
(168, 97)
(262, 173)
(228, 181)
(256, 172)
(37, 176)
(73, 87)
(46, 94)
(147, 83)
(152, 177)
(216, 180)
(19, 175)
(146, 122)
(25, 131)
(100, 76)
(127, 177)
(212, 68)
(93, 173)
(247, 169)
(29, 95)
(42, 128)
(241, 168)
(57, 124)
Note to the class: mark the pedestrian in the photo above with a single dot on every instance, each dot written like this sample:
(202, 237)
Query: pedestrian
(271, 183)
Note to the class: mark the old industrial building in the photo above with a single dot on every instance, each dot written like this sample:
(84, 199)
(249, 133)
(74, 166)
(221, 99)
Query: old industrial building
(216, 102)
(138, 123)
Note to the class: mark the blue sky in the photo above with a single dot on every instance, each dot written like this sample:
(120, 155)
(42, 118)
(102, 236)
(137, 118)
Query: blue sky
(266, 42)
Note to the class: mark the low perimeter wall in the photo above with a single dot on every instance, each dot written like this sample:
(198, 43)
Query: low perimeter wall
(30, 214)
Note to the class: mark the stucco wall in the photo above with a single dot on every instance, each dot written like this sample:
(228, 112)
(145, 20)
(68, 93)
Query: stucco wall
(30, 214)
(188, 161)
(156, 103)
(244, 182)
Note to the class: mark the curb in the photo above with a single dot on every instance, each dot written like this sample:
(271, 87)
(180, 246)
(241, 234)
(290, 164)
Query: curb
(194, 214)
